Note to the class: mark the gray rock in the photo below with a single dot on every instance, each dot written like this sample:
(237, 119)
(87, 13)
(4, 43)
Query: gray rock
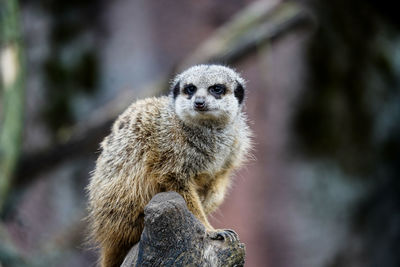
(173, 236)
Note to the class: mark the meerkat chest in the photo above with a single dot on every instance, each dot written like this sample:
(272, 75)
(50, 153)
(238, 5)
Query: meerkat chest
(212, 152)
(222, 155)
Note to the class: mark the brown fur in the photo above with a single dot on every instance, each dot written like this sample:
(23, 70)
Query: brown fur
(151, 150)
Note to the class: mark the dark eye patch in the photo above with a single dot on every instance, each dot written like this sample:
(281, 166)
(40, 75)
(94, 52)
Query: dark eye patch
(175, 90)
(239, 92)
(217, 90)
(189, 89)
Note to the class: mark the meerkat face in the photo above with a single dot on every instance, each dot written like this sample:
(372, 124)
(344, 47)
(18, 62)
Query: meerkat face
(208, 94)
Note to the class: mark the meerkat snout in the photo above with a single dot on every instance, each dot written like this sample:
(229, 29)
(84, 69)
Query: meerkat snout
(200, 103)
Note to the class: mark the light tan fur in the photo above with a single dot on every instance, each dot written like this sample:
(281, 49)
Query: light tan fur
(161, 144)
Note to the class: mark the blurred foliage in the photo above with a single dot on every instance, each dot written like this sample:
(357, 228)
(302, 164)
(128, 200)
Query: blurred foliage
(12, 92)
(72, 67)
(350, 113)
(64, 82)
(11, 111)
(9, 255)
(335, 118)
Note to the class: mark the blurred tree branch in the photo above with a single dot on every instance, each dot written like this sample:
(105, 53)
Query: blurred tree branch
(12, 92)
(257, 24)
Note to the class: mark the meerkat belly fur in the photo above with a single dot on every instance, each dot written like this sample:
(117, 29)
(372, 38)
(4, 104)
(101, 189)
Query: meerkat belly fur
(188, 142)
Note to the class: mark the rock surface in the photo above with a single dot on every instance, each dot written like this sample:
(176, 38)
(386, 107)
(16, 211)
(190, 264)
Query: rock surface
(172, 236)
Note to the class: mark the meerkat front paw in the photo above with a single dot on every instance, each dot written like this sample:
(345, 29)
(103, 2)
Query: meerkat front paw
(227, 235)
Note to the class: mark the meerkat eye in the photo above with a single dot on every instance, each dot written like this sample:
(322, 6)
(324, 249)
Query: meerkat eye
(190, 89)
(217, 89)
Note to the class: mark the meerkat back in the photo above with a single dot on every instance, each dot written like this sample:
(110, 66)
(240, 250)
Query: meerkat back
(188, 142)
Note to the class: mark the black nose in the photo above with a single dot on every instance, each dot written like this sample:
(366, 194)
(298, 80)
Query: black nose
(199, 103)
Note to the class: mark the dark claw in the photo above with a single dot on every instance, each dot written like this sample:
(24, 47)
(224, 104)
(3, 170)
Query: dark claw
(224, 235)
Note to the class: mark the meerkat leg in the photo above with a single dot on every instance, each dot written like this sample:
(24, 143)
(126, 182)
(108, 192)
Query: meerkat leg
(113, 256)
(113, 251)
(212, 200)
(193, 202)
(216, 194)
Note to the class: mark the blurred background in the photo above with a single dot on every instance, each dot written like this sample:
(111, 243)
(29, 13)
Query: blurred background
(323, 101)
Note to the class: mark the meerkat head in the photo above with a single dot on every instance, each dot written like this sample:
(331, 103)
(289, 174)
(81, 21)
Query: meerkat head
(208, 94)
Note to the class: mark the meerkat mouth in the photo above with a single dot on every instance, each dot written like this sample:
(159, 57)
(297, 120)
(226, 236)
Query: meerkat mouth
(204, 110)
(201, 109)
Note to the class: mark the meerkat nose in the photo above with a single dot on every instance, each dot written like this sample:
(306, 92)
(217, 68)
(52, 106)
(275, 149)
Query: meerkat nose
(199, 103)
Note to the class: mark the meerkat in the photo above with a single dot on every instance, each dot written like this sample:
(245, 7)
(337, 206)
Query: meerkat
(188, 142)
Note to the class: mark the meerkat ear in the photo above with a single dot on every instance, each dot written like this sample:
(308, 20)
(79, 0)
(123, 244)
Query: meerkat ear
(175, 90)
(239, 92)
